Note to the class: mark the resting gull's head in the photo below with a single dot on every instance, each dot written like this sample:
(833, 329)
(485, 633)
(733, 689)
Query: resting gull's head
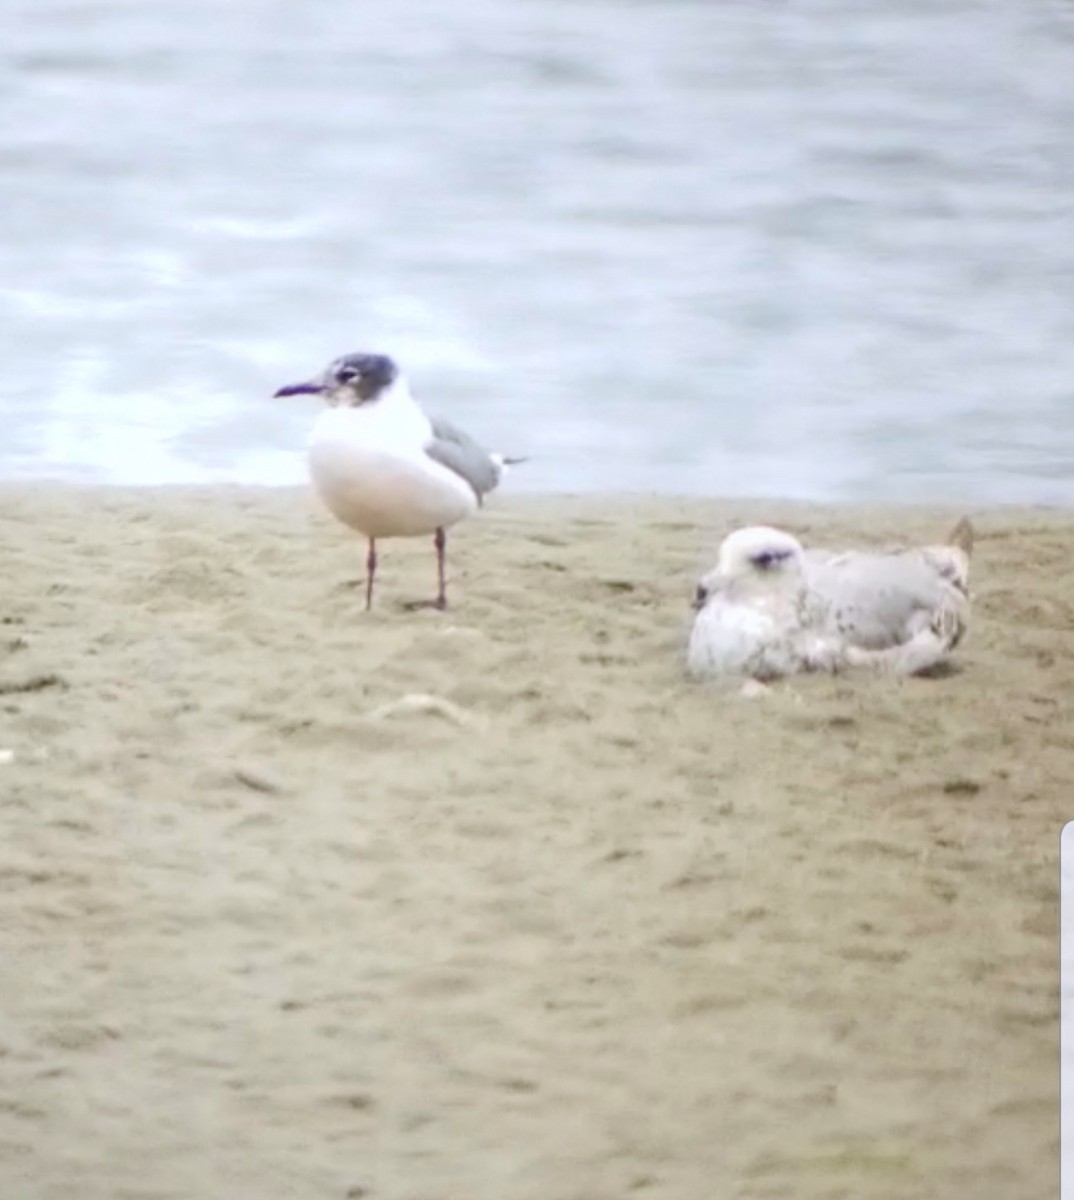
(757, 558)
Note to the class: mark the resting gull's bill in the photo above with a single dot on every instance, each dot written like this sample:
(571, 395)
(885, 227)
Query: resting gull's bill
(767, 610)
(384, 468)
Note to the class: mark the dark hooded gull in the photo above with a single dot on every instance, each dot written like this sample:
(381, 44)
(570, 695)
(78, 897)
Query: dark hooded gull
(384, 468)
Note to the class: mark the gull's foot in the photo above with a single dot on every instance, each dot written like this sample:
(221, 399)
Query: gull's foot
(439, 603)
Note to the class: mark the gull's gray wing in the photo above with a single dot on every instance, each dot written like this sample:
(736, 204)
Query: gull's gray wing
(874, 600)
(460, 453)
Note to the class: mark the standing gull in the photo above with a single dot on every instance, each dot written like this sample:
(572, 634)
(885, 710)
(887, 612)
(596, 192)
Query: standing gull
(765, 611)
(384, 468)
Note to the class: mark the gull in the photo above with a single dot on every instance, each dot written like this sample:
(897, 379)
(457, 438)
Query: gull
(768, 610)
(384, 468)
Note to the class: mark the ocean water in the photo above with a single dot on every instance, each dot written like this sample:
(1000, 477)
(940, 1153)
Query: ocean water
(817, 250)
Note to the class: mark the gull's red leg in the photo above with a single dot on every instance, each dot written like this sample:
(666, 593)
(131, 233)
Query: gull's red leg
(440, 542)
(370, 571)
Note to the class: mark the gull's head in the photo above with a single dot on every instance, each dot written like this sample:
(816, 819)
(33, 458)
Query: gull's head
(349, 381)
(758, 557)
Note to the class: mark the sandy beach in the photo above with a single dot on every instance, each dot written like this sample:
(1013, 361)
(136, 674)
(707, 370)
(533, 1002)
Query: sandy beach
(299, 901)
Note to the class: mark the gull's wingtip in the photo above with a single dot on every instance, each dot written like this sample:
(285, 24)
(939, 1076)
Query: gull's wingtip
(961, 537)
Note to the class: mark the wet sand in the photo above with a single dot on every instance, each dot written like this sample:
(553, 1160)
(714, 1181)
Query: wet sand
(567, 928)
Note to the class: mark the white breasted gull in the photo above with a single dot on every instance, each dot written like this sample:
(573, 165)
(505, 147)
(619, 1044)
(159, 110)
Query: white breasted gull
(384, 468)
(767, 611)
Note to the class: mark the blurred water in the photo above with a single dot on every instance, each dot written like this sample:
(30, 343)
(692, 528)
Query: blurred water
(810, 249)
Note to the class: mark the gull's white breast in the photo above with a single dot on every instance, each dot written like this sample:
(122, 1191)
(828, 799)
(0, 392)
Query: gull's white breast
(758, 639)
(370, 469)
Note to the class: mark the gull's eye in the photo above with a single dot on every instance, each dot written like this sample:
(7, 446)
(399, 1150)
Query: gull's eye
(770, 558)
(346, 374)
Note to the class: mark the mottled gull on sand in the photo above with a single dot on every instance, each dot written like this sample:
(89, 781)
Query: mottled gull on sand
(768, 610)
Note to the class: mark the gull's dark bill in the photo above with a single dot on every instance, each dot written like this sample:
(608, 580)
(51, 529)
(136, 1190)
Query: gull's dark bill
(309, 388)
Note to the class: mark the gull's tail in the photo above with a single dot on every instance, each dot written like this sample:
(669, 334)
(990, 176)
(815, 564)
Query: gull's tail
(502, 461)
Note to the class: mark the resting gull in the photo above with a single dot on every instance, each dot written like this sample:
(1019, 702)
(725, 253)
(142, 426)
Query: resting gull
(384, 468)
(768, 610)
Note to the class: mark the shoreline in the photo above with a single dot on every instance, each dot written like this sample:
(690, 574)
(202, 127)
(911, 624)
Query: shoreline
(529, 495)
